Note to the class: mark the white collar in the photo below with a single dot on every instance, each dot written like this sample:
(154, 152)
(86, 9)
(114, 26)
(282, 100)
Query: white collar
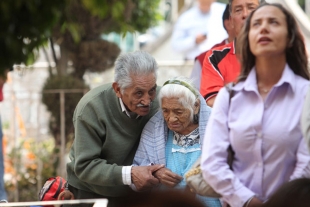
(129, 114)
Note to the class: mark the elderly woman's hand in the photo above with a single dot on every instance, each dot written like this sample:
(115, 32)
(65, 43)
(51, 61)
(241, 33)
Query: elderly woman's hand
(167, 178)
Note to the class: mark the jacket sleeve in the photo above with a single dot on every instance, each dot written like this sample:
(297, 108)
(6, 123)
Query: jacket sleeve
(88, 164)
(211, 77)
(214, 156)
(181, 41)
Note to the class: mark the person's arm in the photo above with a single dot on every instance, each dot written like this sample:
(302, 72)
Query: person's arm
(214, 156)
(211, 78)
(89, 166)
(302, 167)
(305, 119)
(181, 39)
(211, 100)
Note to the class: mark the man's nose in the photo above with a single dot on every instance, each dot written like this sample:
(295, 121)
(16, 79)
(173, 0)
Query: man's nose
(245, 13)
(146, 100)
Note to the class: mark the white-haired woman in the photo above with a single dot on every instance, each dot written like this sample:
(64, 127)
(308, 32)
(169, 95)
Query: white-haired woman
(173, 136)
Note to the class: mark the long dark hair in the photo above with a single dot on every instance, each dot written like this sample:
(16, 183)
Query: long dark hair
(295, 54)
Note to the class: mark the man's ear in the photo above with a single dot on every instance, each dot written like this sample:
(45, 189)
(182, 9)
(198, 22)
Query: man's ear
(197, 106)
(117, 89)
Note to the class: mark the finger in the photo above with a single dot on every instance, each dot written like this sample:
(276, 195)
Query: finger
(153, 181)
(170, 179)
(174, 175)
(154, 168)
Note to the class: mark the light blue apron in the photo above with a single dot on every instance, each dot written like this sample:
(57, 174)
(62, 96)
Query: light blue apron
(180, 159)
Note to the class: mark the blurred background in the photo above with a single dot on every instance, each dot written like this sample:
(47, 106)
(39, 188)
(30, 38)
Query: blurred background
(63, 49)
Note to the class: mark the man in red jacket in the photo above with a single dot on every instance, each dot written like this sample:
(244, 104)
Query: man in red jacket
(221, 65)
(196, 72)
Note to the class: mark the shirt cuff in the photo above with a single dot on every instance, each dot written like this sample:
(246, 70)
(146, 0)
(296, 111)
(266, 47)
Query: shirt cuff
(126, 175)
(240, 197)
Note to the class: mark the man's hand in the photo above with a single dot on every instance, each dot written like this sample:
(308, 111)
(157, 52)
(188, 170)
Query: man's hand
(167, 178)
(200, 38)
(142, 176)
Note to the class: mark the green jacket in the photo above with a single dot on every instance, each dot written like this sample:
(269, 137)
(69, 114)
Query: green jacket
(105, 140)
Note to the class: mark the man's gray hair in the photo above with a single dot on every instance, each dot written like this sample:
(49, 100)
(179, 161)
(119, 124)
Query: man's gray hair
(138, 63)
(185, 92)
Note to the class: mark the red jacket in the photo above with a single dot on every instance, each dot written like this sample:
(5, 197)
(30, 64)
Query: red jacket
(220, 67)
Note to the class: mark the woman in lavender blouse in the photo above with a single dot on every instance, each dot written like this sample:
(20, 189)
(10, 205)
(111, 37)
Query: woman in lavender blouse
(261, 122)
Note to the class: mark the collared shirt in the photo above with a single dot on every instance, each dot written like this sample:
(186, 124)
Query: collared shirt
(264, 134)
(124, 110)
(194, 22)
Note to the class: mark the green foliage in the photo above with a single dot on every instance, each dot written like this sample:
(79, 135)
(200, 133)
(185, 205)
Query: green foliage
(126, 15)
(223, 1)
(302, 4)
(25, 27)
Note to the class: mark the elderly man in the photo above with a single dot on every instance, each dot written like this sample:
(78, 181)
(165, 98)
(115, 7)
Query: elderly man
(221, 65)
(108, 123)
(197, 29)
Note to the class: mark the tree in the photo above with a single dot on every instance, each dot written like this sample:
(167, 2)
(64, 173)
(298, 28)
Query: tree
(76, 27)
(25, 27)
(78, 35)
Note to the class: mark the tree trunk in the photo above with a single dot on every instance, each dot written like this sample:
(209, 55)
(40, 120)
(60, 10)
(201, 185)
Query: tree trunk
(62, 63)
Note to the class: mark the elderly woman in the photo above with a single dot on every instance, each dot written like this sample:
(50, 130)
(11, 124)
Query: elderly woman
(260, 118)
(173, 136)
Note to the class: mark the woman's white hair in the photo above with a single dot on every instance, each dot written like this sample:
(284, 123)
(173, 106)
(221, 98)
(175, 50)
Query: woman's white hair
(183, 89)
(138, 63)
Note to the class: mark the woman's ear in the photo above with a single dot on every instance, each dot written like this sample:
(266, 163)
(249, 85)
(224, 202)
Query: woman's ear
(197, 106)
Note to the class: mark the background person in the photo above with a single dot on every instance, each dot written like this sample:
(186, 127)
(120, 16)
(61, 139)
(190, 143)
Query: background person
(197, 29)
(262, 121)
(221, 65)
(196, 72)
(108, 122)
(174, 135)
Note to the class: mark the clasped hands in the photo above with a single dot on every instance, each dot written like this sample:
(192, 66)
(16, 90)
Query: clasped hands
(147, 177)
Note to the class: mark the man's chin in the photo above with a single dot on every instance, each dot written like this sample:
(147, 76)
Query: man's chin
(143, 111)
